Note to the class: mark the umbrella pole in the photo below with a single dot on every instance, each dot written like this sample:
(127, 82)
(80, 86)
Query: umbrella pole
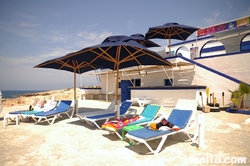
(116, 96)
(75, 102)
(169, 46)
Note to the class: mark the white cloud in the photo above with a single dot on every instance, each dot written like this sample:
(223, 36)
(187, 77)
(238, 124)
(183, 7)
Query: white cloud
(94, 25)
(94, 36)
(27, 25)
(245, 13)
(57, 36)
(130, 24)
(86, 39)
(229, 4)
(214, 19)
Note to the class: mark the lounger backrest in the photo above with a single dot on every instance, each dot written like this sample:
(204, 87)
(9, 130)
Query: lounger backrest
(111, 107)
(150, 111)
(179, 117)
(64, 105)
(125, 107)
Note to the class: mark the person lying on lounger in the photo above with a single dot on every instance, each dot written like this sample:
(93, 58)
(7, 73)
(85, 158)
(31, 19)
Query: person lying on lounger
(37, 104)
(42, 106)
(163, 125)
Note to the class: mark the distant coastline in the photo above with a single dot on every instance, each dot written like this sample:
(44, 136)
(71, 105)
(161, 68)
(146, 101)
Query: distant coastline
(7, 94)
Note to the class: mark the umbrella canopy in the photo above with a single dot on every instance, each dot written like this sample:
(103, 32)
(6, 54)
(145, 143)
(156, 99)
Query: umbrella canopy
(67, 64)
(145, 42)
(116, 53)
(170, 31)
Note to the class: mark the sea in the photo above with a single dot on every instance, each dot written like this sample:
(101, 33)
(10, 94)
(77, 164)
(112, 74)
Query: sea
(16, 93)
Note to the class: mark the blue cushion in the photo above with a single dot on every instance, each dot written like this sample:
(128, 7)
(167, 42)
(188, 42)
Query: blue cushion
(146, 133)
(30, 112)
(145, 120)
(16, 112)
(150, 111)
(178, 117)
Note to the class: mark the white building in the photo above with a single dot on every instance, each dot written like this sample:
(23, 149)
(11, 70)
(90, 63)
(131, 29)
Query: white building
(218, 59)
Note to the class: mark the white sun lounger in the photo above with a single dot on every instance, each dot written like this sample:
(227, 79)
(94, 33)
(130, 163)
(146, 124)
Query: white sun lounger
(110, 109)
(183, 118)
(50, 116)
(124, 109)
(140, 101)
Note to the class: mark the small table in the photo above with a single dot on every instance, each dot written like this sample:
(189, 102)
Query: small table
(10, 116)
(130, 128)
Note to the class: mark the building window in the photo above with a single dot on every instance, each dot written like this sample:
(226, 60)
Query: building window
(168, 82)
(137, 82)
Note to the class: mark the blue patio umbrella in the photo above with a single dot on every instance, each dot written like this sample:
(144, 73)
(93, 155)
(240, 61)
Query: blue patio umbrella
(145, 42)
(68, 64)
(118, 52)
(170, 31)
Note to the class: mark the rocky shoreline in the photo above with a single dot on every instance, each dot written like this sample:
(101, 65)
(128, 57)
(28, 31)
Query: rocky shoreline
(27, 99)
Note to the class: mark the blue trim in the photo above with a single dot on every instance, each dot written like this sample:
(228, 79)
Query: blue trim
(213, 49)
(245, 45)
(169, 87)
(209, 69)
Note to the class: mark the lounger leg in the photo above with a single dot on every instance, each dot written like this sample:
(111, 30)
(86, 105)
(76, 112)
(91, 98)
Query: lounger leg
(116, 132)
(97, 125)
(159, 146)
(195, 135)
(34, 119)
(5, 121)
(157, 150)
(90, 123)
(39, 120)
(53, 120)
(17, 120)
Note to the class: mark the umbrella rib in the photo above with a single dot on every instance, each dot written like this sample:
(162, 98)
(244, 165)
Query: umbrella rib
(142, 54)
(64, 64)
(110, 58)
(85, 64)
(169, 32)
(131, 55)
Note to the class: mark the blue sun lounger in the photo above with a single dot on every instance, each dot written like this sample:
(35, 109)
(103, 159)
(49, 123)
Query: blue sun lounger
(31, 112)
(124, 108)
(180, 118)
(50, 116)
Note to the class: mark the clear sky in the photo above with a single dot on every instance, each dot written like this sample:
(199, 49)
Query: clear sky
(33, 31)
